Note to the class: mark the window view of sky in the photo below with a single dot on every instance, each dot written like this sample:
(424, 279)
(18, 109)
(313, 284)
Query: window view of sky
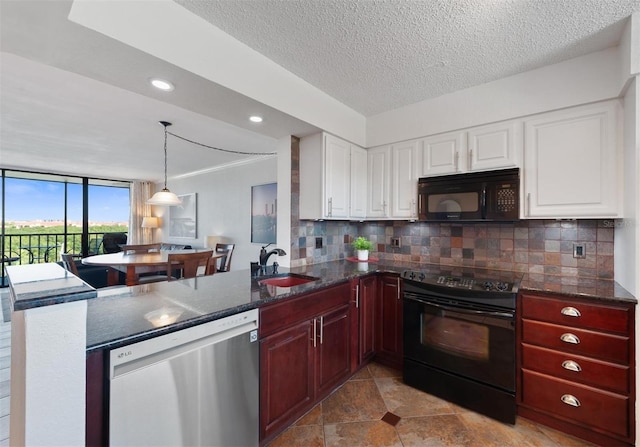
(42, 200)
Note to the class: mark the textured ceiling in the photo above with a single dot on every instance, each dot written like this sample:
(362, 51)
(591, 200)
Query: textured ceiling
(377, 55)
(100, 117)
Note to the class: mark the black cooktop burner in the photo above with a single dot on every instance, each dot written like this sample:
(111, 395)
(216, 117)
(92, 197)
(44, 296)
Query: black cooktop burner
(477, 285)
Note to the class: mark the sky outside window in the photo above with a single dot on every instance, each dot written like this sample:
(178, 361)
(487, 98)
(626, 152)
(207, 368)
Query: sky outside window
(108, 204)
(30, 200)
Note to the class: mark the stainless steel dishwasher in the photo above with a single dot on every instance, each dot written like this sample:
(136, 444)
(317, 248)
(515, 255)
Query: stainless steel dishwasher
(197, 386)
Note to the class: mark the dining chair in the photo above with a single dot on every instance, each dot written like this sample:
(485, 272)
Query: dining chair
(140, 248)
(94, 246)
(190, 263)
(69, 263)
(113, 242)
(225, 261)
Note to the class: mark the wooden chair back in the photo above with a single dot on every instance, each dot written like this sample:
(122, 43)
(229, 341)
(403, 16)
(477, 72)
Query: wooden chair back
(225, 261)
(190, 263)
(69, 263)
(140, 248)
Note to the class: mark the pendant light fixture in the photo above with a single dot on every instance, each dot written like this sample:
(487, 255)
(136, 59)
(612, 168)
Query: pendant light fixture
(164, 197)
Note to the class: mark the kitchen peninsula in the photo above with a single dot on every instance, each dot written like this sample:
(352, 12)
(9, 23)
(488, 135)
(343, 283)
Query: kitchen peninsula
(65, 323)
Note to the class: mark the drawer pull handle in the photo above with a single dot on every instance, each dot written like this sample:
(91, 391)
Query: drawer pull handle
(571, 366)
(570, 338)
(570, 312)
(570, 400)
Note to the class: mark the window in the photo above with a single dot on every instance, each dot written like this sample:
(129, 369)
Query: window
(44, 215)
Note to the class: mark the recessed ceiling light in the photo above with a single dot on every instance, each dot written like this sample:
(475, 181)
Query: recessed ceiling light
(255, 119)
(163, 85)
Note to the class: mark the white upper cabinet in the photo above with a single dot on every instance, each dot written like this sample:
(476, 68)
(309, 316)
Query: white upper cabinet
(495, 146)
(484, 148)
(337, 177)
(378, 181)
(393, 181)
(571, 163)
(440, 154)
(358, 182)
(329, 180)
(404, 180)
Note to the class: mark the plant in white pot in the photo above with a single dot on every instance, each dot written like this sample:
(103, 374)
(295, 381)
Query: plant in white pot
(362, 246)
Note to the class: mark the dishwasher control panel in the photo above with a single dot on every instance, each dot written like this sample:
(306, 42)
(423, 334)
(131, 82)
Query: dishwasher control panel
(129, 357)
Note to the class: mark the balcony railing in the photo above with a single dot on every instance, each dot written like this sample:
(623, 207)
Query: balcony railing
(20, 249)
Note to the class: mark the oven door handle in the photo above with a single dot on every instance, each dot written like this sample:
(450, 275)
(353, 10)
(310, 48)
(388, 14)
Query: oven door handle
(490, 313)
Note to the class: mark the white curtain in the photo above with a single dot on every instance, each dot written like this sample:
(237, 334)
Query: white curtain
(140, 193)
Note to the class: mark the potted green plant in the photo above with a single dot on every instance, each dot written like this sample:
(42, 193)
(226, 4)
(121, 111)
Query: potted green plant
(362, 246)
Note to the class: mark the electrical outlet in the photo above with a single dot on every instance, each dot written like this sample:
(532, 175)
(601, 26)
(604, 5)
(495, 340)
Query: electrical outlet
(318, 242)
(395, 242)
(579, 250)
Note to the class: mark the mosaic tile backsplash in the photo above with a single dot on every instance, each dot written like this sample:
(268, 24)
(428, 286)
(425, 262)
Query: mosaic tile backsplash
(533, 246)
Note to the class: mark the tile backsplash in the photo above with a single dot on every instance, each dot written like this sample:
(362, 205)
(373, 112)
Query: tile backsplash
(534, 246)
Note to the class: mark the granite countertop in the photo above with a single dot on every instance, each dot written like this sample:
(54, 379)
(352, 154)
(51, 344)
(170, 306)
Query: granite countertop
(578, 287)
(122, 315)
(38, 285)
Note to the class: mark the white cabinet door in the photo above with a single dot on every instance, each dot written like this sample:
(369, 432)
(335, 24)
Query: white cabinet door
(337, 177)
(571, 163)
(404, 181)
(333, 178)
(358, 182)
(495, 146)
(378, 184)
(441, 154)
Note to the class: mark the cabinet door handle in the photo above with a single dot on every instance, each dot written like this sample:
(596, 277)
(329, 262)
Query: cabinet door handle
(357, 295)
(314, 332)
(321, 329)
(570, 400)
(330, 211)
(529, 204)
(398, 279)
(570, 338)
(470, 159)
(570, 312)
(571, 366)
(455, 160)
(413, 207)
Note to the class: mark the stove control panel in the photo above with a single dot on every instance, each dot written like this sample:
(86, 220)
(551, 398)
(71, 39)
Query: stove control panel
(458, 282)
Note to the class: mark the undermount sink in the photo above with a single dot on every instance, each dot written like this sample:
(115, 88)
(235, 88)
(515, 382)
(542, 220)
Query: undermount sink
(287, 280)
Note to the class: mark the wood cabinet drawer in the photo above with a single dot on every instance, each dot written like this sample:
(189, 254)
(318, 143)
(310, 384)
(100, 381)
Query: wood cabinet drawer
(577, 368)
(602, 346)
(608, 412)
(576, 313)
(275, 317)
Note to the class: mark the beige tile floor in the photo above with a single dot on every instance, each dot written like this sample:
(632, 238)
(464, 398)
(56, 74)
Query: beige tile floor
(375, 409)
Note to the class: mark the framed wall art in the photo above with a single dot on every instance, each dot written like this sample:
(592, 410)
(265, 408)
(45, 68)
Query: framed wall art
(182, 218)
(264, 213)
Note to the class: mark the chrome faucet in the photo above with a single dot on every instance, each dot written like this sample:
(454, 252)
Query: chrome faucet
(264, 256)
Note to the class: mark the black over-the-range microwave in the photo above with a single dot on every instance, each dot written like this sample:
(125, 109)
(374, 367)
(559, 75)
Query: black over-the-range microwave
(478, 196)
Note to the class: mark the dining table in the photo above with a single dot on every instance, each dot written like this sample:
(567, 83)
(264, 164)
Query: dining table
(133, 264)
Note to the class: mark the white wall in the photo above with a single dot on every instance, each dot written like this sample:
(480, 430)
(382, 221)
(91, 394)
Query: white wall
(627, 232)
(589, 78)
(224, 206)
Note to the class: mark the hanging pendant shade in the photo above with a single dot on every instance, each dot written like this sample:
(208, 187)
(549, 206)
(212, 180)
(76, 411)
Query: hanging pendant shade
(164, 197)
